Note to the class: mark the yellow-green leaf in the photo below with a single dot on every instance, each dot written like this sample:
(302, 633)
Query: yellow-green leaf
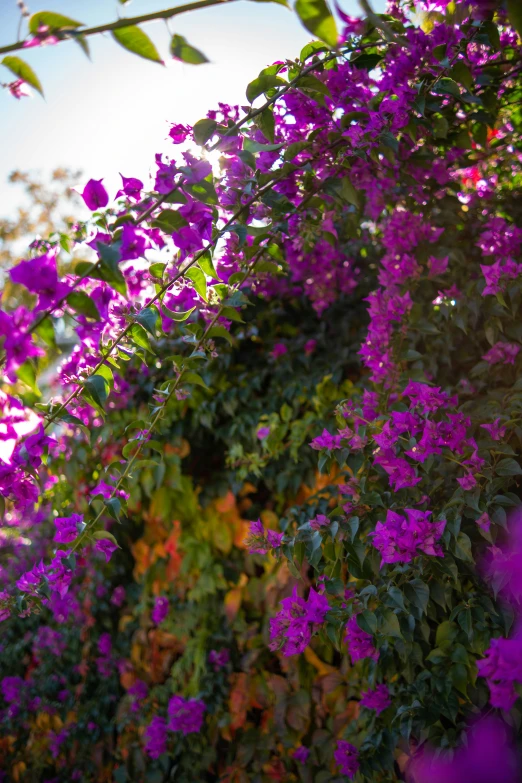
(317, 17)
(24, 71)
(136, 41)
(53, 21)
(182, 50)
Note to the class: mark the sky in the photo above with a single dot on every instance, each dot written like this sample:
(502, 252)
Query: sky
(112, 114)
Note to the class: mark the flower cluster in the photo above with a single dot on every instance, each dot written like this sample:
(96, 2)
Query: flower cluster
(401, 538)
(291, 629)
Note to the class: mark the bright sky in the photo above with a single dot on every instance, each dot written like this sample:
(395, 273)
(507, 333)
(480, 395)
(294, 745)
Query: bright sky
(113, 114)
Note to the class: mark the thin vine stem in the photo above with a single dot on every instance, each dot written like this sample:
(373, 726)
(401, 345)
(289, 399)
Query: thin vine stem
(121, 23)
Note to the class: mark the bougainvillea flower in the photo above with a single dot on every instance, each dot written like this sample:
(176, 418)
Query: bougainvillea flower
(178, 133)
(160, 610)
(378, 699)
(132, 188)
(360, 643)
(347, 758)
(95, 195)
(186, 715)
(156, 737)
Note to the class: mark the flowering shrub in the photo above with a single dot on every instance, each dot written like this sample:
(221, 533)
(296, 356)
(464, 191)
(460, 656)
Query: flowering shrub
(269, 512)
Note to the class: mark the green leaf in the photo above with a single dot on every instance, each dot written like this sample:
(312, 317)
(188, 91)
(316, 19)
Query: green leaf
(508, 467)
(462, 74)
(27, 374)
(231, 315)
(148, 318)
(181, 316)
(169, 220)
(447, 86)
(199, 280)
(317, 17)
(446, 632)
(204, 190)
(82, 303)
(113, 506)
(262, 84)
(180, 49)
(139, 336)
(463, 548)
(98, 388)
(349, 193)
(220, 331)
(418, 593)
(157, 270)
(45, 330)
(207, 265)
(395, 598)
(313, 84)
(367, 60)
(367, 621)
(203, 130)
(136, 41)
(106, 373)
(390, 625)
(53, 21)
(514, 10)
(266, 123)
(193, 377)
(24, 71)
(314, 47)
(104, 535)
(108, 269)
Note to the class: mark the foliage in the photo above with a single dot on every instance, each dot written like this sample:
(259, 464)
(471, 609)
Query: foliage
(280, 465)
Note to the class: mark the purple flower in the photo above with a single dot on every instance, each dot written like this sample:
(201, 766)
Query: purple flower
(487, 756)
(178, 133)
(274, 539)
(106, 547)
(309, 348)
(256, 540)
(428, 398)
(502, 667)
(68, 528)
(132, 188)
(105, 644)
(399, 470)
(186, 715)
(118, 596)
(156, 737)
(134, 242)
(347, 758)
(360, 643)
(326, 441)
(263, 432)
(38, 275)
(467, 482)
(11, 688)
(319, 521)
(138, 692)
(301, 754)
(278, 350)
(484, 522)
(95, 195)
(291, 629)
(437, 266)
(378, 699)
(399, 539)
(496, 431)
(502, 352)
(160, 610)
(218, 659)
